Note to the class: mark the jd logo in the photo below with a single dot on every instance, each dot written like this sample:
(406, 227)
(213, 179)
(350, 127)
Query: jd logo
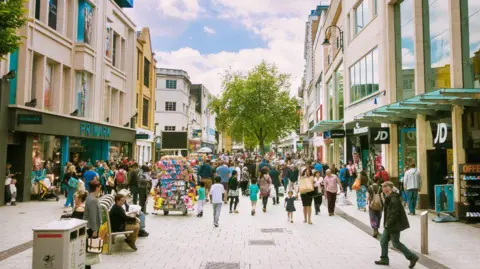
(382, 135)
(442, 133)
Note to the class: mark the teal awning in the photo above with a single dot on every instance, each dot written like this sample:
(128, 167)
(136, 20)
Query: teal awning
(326, 125)
(433, 104)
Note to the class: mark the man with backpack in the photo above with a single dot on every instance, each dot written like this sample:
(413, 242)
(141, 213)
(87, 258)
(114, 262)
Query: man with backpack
(144, 185)
(133, 182)
(375, 203)
(120, 179)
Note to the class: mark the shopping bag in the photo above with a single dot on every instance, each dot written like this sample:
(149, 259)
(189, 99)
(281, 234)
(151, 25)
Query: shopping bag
(94, 245)
(281, 190)
(356, 186)
(92, 259)
(273, 193)
(305, 185)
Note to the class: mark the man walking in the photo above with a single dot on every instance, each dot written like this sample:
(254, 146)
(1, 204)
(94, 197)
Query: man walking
(206, 175)
(133, 182)
(224, 173)
(395, 221)
(412, 183)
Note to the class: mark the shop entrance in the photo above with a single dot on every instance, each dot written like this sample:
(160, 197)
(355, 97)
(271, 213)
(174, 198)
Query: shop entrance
(437, 170)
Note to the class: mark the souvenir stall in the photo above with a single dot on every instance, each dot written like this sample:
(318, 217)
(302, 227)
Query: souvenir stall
(175, 190)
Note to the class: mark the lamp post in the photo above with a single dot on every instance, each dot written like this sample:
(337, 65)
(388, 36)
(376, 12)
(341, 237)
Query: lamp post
(326, 42)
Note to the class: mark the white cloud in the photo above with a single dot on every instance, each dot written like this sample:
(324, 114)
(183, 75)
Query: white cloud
(209, 30)
(182, 9)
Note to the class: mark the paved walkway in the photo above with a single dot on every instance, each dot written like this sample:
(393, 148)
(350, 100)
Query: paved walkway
(455, 245)
(189, 242)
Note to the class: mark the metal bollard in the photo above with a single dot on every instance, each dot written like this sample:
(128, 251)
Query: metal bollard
(424, 232)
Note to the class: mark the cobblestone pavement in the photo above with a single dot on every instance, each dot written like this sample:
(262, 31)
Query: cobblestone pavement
(454, 244)
(177, 241)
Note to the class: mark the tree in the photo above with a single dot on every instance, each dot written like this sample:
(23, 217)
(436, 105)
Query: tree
(12, 17)
(256, 107)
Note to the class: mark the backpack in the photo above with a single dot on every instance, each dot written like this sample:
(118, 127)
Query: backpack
(144, 181)
(377, 201)
(120, 177)
(72, 182)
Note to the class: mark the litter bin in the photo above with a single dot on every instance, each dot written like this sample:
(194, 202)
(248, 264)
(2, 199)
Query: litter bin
(60, 244)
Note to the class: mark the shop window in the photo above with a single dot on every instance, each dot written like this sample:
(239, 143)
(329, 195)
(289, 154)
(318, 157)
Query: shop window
(85, 22)
(146, 111)
(48, 90)
(170, 106)
(46, 155)
(170, 128)
(471, 40)
(171, 84)
(146, 73)
(439, 26)
(52, 14)
(364, 76)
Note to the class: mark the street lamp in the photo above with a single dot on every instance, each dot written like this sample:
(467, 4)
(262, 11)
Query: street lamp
(326, 42)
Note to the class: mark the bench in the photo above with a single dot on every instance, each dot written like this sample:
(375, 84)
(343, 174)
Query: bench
(106, 202)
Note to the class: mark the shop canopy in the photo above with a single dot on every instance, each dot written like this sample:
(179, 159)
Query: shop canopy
(326, 125)
(436, 104)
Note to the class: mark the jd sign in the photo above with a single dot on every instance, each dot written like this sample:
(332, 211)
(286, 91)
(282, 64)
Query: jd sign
(442, 133)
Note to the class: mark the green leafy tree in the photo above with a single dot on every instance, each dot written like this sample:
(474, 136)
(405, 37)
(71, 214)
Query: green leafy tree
(256, 108)
(12, 17)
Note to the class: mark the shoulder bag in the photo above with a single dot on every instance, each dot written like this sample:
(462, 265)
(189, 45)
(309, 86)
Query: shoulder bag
(305, 185)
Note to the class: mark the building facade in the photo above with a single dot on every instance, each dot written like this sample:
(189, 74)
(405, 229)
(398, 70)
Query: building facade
(409, 76)
(145, 98)
(71, 98)
(172, 120)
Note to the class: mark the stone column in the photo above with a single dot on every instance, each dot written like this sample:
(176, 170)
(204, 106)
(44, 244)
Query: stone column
(458, 153)
(4, 99)
(422, 140)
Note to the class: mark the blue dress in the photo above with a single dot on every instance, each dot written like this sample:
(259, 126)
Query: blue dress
(362, 197)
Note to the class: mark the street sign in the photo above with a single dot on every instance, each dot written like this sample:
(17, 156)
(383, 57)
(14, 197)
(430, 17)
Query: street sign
(142, 136)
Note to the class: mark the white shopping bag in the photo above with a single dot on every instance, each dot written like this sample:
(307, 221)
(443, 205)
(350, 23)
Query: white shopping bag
(281, 190)
(341, 198)
(273, 194)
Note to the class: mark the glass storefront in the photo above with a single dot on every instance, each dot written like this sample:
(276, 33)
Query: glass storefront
(405, 29)
(407, 149)
(46, 154)
(473, 75)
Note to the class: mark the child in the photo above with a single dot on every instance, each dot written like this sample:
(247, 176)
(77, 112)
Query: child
(253, 194)
(233, 191)
(290, 206)
(201, 199)
(217, 193)
(13, 191)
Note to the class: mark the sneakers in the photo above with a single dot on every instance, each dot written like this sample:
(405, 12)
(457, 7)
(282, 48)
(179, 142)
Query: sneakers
(131, 244)
(264, 209)
(413, 262)
(143, 233)
(231, 211)
(235, 211)
(216, 225)
(382, 262)
(13, 203)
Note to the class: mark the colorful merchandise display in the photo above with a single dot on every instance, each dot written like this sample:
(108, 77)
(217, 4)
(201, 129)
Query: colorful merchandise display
(175, 190)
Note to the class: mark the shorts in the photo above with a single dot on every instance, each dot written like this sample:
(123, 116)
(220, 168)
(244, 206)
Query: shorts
(306, 199)
(208, 183)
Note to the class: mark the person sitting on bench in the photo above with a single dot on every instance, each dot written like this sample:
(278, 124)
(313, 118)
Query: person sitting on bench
(121, 222)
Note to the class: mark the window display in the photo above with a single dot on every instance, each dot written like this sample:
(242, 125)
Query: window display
(46, 155)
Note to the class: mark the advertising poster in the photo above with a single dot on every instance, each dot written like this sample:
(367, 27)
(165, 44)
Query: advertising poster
(444, 198)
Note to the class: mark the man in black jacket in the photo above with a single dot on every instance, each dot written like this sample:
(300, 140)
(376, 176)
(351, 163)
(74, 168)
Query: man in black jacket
(395, 221)
(121, 222)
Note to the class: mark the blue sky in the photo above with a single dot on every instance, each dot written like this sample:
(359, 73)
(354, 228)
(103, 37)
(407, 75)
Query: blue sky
(207, 37)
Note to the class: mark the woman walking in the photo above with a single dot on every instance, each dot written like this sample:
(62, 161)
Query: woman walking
(375, 205)
(317, 199)
(233, 191)
(362, 192)
(93, 211)
(264, 183)
(245, 180)
(306, 194)
(331, 183)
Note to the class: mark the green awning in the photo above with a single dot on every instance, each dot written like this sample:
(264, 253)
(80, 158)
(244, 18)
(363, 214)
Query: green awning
(326, 125)
(433, 104)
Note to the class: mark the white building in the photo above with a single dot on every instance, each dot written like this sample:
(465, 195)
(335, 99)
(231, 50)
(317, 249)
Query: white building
(208, 138)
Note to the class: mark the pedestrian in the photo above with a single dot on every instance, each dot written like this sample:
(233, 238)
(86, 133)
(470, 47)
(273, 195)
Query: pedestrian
(352, 174)
(90, 175)
(343, 175)
(306, 194)
(375, 205)
(412, 183)
(254, 194)
(285, 173)
(206, 175)
(93, 211)
(275, 176)
(334, 169)
(217, 193)
(71, 185)
(245, 181)
(293, 176)
(120, 178)
(318, 167)
(201, 199)
(290, 205)
(331, 183)
(224, 172)
(109, 178)
(362, 192)
(233, 191)
(133, 182)
(144, 186)
(318, 184)
(264, 183)
(383, 175)
(394, 223)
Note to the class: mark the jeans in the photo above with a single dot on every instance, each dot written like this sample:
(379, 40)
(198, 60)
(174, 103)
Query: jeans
(134, 193)
(142, 193)
(412, 196)
(217, 208)
(141, 216)
(285, 183)
(395, 238)
(345, 186)
(350, 181)
(71, 192)
(265, 202)
(331, 198)
(318, 202)
(276, 199)
(233, 202)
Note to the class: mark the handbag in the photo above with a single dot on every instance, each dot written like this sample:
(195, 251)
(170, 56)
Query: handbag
(305, 185)
(92, 259)
(273, 194)
(356, 186)
(94, 245)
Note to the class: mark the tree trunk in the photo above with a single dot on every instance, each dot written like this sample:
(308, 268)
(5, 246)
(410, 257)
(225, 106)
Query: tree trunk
(261, 143)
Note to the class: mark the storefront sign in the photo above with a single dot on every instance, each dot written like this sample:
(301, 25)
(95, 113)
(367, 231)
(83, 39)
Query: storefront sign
(469, 169)
(94, 130)
(29, 119)
(380, 136)
(442, 134)
(360, 130)
(337, 134)
(444, 198)
(142, 136)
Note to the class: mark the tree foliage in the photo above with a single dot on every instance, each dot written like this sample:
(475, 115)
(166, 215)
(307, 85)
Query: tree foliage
(12, 17)
(256, 108)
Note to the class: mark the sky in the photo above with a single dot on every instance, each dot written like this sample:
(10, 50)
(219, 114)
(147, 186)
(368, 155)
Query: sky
(207, 37)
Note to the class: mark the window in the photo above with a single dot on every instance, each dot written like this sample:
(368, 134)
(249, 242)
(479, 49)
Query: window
(375, 7)
(146, 73)
(405, 49)
(339, 91)
(330, 99)
(115, 49)
(82, 84)
(139, 58)
(48, 90)
(171, 84)
(364, 76)
(170, 106)
(146, 111)
(108, 38)
(52, 14)
(362, 16)
(38, 3)
(472, 41)
(170, 128)
(106, 104)
(85, 22)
